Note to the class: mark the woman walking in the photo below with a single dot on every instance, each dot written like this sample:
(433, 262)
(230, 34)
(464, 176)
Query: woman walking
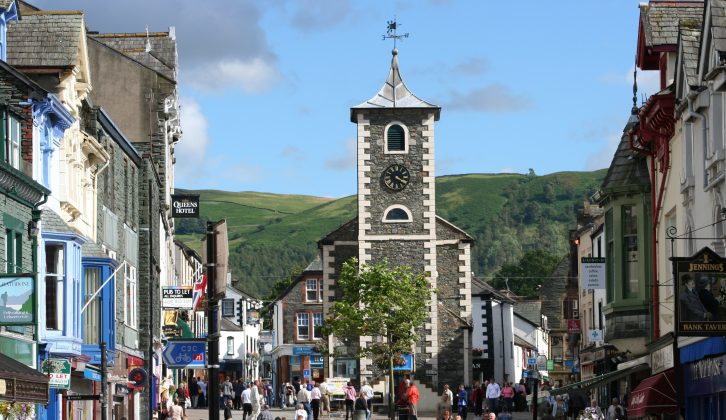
(361, 407)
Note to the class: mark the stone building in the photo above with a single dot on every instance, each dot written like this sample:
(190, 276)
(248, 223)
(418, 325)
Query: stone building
(297, 318)
(397, 221)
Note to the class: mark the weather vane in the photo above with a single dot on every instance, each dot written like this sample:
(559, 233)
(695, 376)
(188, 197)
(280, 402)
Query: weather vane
(391, 32)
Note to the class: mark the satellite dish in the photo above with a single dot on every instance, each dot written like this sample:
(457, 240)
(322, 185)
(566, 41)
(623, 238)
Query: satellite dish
(267, 347)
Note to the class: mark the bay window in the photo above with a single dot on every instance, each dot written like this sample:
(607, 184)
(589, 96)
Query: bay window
(92, 315)
(54, 286)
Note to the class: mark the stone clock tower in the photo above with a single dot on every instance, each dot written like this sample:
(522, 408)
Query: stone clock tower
(397, 221)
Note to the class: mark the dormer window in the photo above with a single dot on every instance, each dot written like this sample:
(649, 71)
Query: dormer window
(396, 138)
(397, 214)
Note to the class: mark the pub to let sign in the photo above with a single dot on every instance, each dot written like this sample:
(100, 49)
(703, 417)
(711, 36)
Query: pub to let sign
(59, 372)
(185, 205)
(593, 272)
(177, 297)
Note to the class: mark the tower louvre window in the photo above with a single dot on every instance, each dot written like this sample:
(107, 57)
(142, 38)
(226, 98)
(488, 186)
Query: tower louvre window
(396, 138)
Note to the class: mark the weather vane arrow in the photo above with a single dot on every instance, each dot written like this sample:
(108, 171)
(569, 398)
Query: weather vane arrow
(392, 34)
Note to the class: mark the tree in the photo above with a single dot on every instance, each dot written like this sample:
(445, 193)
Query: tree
(380, 301)
(526, 276)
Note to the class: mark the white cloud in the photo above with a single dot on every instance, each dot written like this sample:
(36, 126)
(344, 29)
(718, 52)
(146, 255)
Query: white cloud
(253, 76)
(648, 81)
(603, 157)
(493, 98)
(344, 160)
(292, 152)
(195, 141)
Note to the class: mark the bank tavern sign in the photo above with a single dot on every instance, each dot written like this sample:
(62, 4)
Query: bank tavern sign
(700, 290)
(185, 205)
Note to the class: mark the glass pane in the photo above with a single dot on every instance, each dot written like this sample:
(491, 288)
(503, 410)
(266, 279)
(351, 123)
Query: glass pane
(92, 316)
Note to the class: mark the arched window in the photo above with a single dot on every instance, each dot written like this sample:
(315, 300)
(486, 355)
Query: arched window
(396, 138)
(397, 214)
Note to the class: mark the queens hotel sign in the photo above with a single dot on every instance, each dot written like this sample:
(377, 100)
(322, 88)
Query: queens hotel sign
(701, 294)
(185, 205)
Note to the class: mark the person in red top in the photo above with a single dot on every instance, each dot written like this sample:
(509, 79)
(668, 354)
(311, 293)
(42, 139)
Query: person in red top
(477, 396)
(412, 397)
(508, 395)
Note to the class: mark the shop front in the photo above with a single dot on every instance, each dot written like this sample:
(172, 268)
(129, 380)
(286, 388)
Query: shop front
(704, 379)
(21, 387)
(656, 397)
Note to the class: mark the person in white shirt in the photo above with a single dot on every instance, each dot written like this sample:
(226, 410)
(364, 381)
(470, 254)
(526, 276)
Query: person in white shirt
(300, 412)
(303, 397)
(247, 402)
(256, 397)
(315, 396)
(493, 393)
(368, 393)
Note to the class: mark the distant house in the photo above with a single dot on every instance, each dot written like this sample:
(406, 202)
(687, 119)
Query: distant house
(530, 336)
(297, 321)
(239, 343)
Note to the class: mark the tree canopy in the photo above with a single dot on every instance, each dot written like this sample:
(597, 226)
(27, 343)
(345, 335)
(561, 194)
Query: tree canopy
(379, 301)
(525, 277)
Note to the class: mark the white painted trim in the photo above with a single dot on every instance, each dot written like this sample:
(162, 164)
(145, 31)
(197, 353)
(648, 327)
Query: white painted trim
(400, 207)
(406, 139)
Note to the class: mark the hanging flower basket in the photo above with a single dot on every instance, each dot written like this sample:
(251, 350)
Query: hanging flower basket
(17, 411)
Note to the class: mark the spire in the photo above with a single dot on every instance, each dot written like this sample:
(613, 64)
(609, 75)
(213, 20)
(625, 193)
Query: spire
(395, 93)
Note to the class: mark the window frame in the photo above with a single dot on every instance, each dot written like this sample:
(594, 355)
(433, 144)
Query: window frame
(13, 251)
(631, 267)
(300, 317)
(393, 207)
(130, 294)
(230, 345)
(317, 290)
(92, 317)
(55, 282)
(317, 327)
(406, 139)
(227, 301)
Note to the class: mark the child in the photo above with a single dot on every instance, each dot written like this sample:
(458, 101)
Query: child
(301, 412)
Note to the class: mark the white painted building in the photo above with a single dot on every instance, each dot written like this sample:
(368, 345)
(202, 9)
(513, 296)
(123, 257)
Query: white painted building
(240, 326)
(530, 336)
(492, 334)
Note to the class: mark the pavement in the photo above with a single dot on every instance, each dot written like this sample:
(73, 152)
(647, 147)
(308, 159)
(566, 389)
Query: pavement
(288, 414)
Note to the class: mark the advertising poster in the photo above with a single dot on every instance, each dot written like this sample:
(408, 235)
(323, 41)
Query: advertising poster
(16, 300)
(701, 294)
(593, 272)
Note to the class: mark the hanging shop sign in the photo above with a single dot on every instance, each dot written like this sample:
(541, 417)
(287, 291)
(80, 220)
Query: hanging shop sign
(138, 377)
(253, 316)
(700, 293)
(59, 373)
(16, 299)
(593, 272)
(573, 326)
(177, 297)
(185, 205)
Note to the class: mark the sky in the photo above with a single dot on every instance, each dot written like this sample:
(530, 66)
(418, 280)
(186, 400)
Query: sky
(266, 86)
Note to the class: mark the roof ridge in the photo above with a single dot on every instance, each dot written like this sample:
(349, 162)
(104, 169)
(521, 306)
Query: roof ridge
(53, 12)
(131, 35)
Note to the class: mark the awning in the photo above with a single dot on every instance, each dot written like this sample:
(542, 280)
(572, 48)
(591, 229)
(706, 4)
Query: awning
(600, 380)
(654, 395)
(20, 383)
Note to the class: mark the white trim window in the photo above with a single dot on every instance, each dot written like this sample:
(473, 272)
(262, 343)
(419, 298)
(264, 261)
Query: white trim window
(313, 291)
(317, 325)
(397, 214)
(110, 229)
(396, 138)
(130, 296)
(303, 326)
(227, 308)
(230, 346)
(54, 286)
(14, 139)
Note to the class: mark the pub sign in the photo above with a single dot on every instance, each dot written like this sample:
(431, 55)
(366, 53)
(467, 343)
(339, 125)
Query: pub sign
(16, 299)
(701, 294)
(185, 205)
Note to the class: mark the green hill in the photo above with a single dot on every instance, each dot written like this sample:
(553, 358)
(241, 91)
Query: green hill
(507, 214)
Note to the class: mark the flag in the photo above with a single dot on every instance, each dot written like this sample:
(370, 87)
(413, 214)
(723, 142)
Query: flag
(200, 287)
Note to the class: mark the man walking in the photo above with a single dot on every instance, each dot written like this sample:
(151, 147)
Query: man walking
(368, 392)
(493, 394)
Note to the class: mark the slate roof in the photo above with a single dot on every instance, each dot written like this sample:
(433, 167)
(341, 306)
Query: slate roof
(45, 39)
(93, 250)
(551, 294)
(52, 222)
(690, 39)
(718, 24)
(156, 50)
(628, 171)
(315, 265)
(661, 19)
(227, 325)
(481, 287)
(395, 94)
(531, 310)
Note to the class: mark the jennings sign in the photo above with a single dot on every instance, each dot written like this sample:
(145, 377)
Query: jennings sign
(701, 294)
(184, 205)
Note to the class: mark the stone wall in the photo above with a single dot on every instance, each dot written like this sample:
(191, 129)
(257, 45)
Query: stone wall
(292, 304)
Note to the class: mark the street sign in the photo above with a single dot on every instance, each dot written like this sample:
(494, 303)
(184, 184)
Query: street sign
(80, 397)
(531, 361)
(185, 354)
(59, 372)
(306, 373)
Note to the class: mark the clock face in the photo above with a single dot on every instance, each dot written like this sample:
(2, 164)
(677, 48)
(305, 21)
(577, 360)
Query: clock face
(396, 177)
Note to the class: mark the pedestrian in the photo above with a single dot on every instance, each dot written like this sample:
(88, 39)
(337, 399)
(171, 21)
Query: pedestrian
(446, 415)
(368, 391)
(269, 393)
(238, 388)
(301, 412)
(181, 396)
(193, 392)
(176, 411)
(324, 398)
(444, 402)
(202, 393)
(247, 403)
(412, 397)
(315, 396)
(462, 400)
(227, 391)
(493, 394)
(350, 396)
(477, 397)
(360, 407)
(508, 396)
(559, 409)
(521, 399)
(304, 398)
(613, 408)
(228, 410)
(595, 409)
(504, 414)
(256, 397)
(265, 414)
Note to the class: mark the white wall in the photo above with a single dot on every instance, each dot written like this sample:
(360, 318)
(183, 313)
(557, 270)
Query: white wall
(501, 348)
